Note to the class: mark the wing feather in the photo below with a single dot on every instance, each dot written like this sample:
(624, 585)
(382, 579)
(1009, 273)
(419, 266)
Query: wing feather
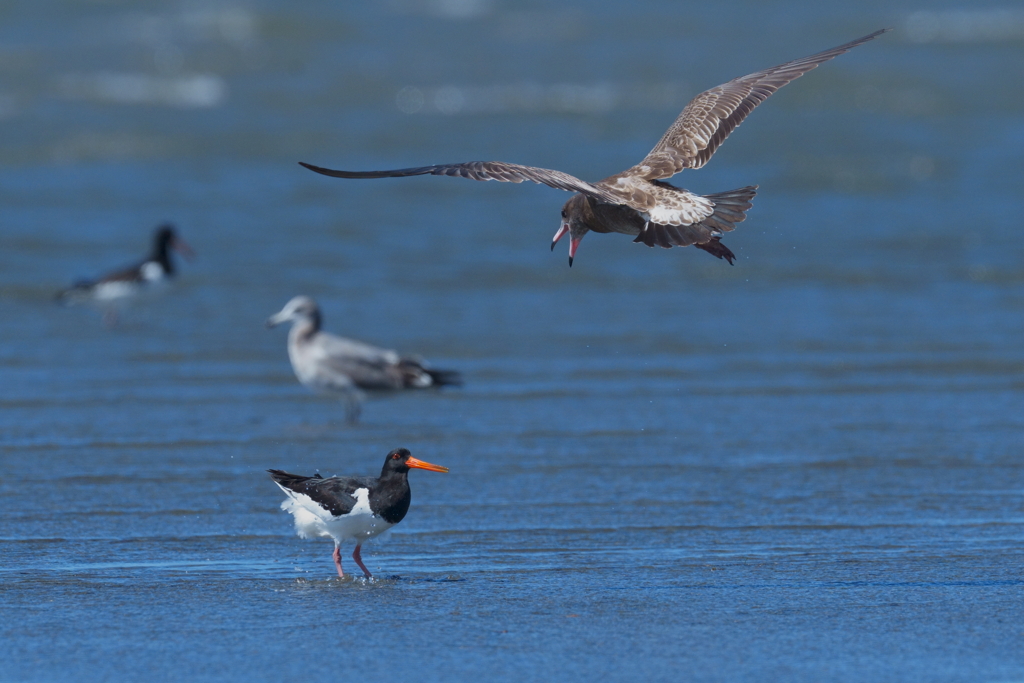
(484, 170)
(711, 116)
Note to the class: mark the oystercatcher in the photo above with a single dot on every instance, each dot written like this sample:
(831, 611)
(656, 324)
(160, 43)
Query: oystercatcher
(351, 508)
(326, 363)
(638, 201)
(130, 282)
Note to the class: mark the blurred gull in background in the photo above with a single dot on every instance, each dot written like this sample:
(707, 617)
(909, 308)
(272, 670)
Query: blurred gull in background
(337, 365)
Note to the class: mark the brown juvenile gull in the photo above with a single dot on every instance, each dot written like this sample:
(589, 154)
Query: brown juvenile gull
(330, 364)
(638, 201)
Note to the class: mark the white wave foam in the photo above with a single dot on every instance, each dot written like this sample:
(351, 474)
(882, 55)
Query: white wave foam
(187, 91)
(534, 97)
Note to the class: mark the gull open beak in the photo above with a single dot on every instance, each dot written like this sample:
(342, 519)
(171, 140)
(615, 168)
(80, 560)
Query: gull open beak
(559, 235)
(574, 244)
(420, 465)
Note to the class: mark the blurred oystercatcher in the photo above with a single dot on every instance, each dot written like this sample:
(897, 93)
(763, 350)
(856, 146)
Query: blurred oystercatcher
(130, 282)
(638, 201)
(351, 508)
(326, 363)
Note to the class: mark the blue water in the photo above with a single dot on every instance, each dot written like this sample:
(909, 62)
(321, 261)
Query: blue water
(808, 466)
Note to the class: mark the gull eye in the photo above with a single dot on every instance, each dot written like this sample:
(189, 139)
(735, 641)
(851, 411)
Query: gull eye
(563, 213)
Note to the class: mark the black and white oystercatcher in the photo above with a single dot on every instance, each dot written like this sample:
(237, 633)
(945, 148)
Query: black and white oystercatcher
(638, 201)
(351, 508)
(327, 363)
(130, 282)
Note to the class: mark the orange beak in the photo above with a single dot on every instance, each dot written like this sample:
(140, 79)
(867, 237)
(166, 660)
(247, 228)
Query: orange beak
(181, 246)
(420, 465)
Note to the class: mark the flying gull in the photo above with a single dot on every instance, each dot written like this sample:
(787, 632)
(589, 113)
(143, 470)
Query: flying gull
(638, 201)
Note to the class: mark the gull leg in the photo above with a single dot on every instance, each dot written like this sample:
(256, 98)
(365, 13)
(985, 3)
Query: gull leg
(337, 560)
(357, 555)
(353, 406)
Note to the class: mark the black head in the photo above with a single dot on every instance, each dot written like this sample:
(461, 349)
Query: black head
(400, 461)
(164, 239)
(164, 235)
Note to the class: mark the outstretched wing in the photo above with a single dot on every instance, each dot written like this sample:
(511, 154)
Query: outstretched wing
(708, 119)
(484, 170)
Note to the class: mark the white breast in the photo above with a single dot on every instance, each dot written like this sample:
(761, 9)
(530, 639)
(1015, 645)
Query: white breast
(152, 271)
(118, 289)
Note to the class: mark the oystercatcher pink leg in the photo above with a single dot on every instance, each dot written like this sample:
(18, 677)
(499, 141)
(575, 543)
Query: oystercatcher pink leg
(357, 555)
(337, 561)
